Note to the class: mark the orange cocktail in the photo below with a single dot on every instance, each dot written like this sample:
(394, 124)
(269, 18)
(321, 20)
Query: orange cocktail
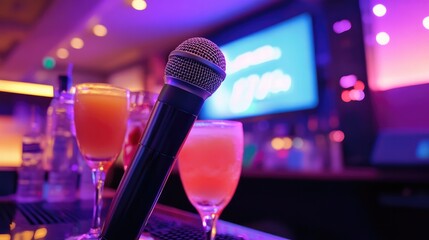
(100, 115)
(101, 122)
(210, 166)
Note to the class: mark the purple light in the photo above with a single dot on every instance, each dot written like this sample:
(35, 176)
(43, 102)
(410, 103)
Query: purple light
(348, 81)
(357, 95)
(342, 26)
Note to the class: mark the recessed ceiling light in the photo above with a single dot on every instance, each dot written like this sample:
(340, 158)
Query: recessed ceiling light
(139, 4)
(62, 53)
(77, 43)
(379, 10)
(99, 30)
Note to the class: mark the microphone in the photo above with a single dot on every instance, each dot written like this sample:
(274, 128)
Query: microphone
(194, 71)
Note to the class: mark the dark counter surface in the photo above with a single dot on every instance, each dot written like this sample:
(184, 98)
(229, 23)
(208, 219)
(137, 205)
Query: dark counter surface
(58, 221)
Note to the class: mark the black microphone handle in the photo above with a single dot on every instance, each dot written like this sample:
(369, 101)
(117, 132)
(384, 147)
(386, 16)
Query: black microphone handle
(171, 120)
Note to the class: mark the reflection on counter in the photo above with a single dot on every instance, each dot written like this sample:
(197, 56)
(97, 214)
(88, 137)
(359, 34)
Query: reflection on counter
(37, 233)
(40, 221)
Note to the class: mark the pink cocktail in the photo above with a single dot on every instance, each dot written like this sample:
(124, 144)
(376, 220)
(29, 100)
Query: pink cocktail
(210, 167)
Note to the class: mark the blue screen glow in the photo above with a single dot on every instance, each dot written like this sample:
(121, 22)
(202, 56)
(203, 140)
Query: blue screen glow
(268, 72)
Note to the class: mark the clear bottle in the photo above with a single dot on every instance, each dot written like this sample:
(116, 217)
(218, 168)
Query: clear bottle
(31, 175)
(61, 152)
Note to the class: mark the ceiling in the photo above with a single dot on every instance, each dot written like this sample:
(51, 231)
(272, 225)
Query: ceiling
(31, 30)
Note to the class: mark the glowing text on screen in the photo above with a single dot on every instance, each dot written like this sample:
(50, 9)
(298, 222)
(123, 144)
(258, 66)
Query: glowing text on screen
(270, 71)
(251, 58)
(255, 87)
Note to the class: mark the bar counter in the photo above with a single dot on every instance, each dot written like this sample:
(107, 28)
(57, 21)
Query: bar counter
(56, 221)
(352, 204)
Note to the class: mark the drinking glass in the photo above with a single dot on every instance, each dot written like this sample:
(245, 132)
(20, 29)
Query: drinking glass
(100, 114)
(210, 166)
(140, 107)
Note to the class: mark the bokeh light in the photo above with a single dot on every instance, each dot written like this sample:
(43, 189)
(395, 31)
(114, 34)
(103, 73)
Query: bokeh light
(4, 236)
(356, 95)
(277, 143)
(99, 30)
(298, 142)
(283, 143)
(345, 96)
(348, 81)
(77, 43)
(379, 10)
(48, 62)
(287, 143)
(139, 5)
(426, 22)
(62, 53)
(336, 136)
(342, 26)
(382, 38)
(359, 85)
(40, 233)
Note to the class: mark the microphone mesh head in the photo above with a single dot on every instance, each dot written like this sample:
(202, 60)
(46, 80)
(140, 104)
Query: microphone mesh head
(197, 72)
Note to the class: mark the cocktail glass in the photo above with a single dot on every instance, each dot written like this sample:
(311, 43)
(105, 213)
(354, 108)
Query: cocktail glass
(210, 166)
(100, 114)
(140, 107)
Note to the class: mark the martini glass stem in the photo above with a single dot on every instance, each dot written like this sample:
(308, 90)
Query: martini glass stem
(209, 220)
(98, 177)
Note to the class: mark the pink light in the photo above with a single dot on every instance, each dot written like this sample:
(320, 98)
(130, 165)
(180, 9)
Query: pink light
(359, 85)
(282, 154)
(336, 136)
(404, 60)
(356, 95)
(348, 81)
(345, 96)
(342, 26)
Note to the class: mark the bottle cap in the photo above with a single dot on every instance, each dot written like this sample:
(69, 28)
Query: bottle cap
(64, 82)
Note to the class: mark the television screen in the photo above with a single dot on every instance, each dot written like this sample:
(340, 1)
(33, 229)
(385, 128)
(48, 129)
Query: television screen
(270, 71)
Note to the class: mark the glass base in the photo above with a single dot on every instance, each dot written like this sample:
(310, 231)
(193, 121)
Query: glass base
(93, 234)
(146, 236)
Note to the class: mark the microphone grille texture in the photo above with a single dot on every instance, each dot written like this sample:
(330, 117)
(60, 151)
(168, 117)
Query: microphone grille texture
(197, 61)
